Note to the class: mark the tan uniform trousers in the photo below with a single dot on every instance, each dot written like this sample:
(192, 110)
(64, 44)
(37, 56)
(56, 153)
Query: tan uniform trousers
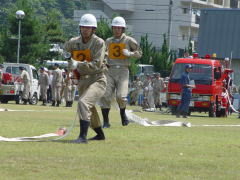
(90, 92)
(117, 81)
(135, 95)
(56, 93)
(26, 91)
(73, 92)
(156, 96)
(43, 91)
(68, 93)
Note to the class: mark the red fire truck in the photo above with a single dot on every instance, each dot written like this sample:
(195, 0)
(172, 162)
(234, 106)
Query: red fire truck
(210, 93)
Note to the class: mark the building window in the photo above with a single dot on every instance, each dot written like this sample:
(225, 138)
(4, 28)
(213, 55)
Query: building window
(185, 10)
(183, 37)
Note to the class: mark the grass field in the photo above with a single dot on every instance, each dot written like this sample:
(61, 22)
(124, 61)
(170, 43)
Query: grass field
(132, 152)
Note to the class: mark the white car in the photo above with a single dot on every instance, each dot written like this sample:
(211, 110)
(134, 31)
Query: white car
(13, 90)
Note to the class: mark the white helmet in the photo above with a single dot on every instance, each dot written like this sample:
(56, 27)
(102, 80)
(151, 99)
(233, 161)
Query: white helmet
(118, 21)
(88, 20)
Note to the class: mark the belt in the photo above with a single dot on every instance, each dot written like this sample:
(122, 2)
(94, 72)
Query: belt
(89, 76)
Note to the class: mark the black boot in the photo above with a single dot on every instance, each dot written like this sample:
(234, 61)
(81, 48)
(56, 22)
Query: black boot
(82, 139)
(100, 134)
(105, 113)
(160, 107)
(67, 103)
(70, 103)
(124, 118)
(25, 101)
(44, 103)
(58, 103)
(53, 103)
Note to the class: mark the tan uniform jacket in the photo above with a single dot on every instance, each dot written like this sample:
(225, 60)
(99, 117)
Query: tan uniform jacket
(130, 44)
(158, 84)
(97, 50)
(44, 79)
(57, 78)
(25, 77)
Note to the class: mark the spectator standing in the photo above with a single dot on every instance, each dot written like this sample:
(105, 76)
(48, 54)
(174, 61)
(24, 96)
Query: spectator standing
(44, 84)
(183, 107)
(56, 85)
(26, 84)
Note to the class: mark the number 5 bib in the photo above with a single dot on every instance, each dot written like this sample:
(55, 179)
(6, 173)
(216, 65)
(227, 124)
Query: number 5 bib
(116, 51)
(81, 55)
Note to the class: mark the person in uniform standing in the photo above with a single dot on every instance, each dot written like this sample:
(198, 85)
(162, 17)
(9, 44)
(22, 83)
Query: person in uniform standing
(119, 49)
(137, 86)
(26, 84)
(49, 91)
(183, 107)
(67, 88)
(44, 84)
(158, 86)
(56, 85)
(88, 51)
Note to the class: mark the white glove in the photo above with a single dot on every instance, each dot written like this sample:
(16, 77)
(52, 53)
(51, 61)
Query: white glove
(127, 53)
(72, 64)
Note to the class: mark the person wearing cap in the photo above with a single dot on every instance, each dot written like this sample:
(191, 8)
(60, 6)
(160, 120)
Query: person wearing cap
(119, 49)
(44, 84)
(183, 107)
(26, 84)
(88, 51)
(56, 85)
(158, 86)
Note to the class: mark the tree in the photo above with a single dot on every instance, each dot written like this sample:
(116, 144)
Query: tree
(104, 30)
(31, 35)
(147, 50)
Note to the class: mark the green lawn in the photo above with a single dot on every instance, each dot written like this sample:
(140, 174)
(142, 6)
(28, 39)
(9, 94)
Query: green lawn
(132, 152)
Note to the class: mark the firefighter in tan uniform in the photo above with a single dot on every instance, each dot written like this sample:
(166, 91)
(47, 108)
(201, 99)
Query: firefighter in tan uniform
(67, 88)
(137, 86)
(88, 53)
(119, 49)
(26, 84)
(158, 86)
(44, 84)
(56, 85)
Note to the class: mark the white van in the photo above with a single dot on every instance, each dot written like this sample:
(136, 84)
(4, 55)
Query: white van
(13, 91)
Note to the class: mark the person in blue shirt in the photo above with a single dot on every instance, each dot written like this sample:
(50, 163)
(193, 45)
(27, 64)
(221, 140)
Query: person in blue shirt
(186, 92)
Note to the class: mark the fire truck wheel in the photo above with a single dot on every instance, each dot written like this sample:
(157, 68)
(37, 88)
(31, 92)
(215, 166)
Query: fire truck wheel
(4, 101)
(34, 100)
(211, 112)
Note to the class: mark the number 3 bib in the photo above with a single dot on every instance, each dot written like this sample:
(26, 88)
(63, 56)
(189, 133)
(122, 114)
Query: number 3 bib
(116, 51)
(81, 55)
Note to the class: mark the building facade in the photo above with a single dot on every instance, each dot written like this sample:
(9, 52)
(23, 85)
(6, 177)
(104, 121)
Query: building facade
(178, 18)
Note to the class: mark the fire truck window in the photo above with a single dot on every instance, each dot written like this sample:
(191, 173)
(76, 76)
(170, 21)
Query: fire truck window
(13, 70)
(8, 70)
(217, 73)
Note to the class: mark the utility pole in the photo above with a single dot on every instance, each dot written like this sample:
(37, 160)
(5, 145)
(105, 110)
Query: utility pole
(190, 28)
(169, 24)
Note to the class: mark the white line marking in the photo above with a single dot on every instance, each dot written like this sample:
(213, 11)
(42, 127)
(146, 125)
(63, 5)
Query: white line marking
(217, 125)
